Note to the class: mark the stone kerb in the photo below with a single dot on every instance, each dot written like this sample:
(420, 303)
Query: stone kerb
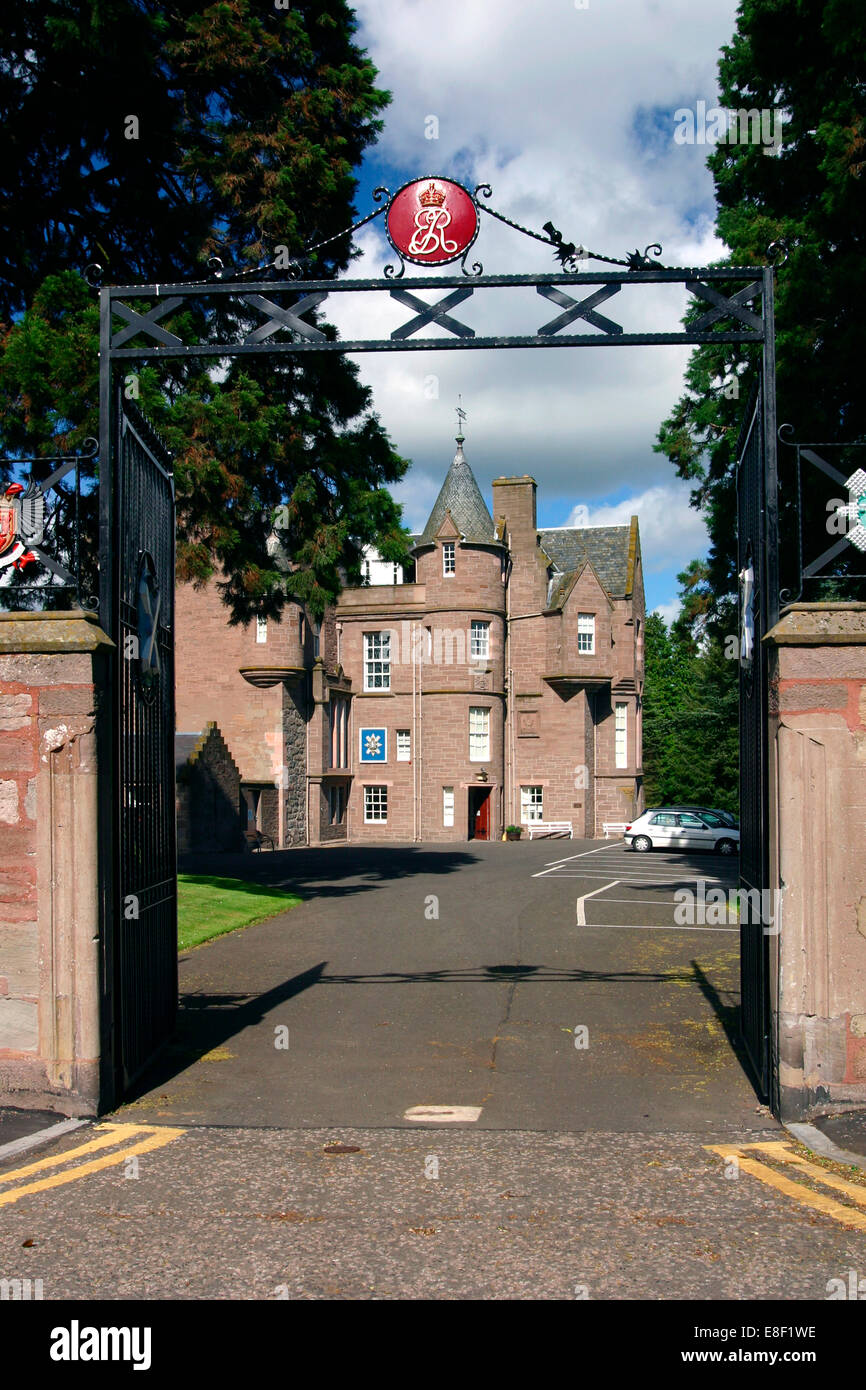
(53, 674)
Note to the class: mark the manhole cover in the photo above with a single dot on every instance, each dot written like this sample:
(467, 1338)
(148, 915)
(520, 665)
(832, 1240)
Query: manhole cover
(342, 1149)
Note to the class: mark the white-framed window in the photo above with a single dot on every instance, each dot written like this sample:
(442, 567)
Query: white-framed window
(336, 804)
(377, 660)
(479, 734)
(375, 805)
(338, 725)
(449, 557)
(261, 630)
(531, 804)
(404, 746)
(479, 640)
(447, 805)
(317, 629)
(621, 734)
(586, 633)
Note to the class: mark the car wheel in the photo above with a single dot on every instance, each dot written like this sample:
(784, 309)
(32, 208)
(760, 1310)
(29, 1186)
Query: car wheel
(642, 843)
(726, 847)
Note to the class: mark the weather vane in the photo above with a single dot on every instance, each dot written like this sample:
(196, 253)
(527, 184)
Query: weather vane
(461, 414)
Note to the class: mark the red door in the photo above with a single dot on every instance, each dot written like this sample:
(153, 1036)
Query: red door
(481, 826)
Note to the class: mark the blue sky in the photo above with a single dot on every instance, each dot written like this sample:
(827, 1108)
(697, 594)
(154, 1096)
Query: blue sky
(568, 112)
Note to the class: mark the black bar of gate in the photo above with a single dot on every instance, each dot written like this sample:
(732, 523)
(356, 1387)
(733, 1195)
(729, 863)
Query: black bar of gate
(111, 1087)
(769, 964)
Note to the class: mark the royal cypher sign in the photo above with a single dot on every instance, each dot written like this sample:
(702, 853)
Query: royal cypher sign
(432, 221)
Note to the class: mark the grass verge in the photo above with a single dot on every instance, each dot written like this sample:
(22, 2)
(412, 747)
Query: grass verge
(208, 906)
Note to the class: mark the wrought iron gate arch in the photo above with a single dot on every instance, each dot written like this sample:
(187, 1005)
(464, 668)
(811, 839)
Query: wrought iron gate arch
(133, 328)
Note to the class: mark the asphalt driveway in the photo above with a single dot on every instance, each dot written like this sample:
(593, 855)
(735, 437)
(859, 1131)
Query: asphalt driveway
(507, 979)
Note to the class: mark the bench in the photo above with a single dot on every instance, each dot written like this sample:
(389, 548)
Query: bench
(614, 827)
(256, 838)
(550, 828)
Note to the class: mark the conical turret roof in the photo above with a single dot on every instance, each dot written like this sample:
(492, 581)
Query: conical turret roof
(461, 496)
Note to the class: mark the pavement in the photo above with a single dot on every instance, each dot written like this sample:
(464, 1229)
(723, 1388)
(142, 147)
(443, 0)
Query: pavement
(486, 1071)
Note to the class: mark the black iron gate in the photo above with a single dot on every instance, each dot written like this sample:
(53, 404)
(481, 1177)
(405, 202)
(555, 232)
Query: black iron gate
(242, 312)
(754, 786)
(140, 898)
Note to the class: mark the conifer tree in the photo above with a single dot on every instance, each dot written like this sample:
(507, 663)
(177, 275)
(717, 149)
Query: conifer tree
(147, 138)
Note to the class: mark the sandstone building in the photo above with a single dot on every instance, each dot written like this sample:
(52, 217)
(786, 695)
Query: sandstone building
(500, 685)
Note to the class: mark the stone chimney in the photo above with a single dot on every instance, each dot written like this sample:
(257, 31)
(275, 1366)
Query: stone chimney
(514, 502)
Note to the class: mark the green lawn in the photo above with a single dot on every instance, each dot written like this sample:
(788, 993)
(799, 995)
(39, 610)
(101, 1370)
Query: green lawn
(208, 906)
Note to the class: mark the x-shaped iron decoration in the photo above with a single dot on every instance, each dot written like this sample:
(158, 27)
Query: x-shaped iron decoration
(149, 654)
(432, 313)
(578, 309)
(838, 546)
(52, 565)
(145, 323)
(733, 305)
(279, 317)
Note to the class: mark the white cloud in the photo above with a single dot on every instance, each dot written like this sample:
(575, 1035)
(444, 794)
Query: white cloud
(671, 531)
(568, 114)
(668, 611)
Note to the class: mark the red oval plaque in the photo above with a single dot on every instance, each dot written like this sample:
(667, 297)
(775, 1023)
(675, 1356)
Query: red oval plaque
(432, 221)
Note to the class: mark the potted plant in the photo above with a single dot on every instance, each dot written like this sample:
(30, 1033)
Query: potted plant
(513, 832)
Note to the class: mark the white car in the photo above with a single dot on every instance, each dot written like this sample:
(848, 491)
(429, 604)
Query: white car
(666, 829)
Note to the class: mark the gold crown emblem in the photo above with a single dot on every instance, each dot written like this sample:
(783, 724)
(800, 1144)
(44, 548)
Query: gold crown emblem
(432, 197)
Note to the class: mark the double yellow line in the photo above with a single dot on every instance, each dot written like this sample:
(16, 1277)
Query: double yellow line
(108, 1137)
(781, 1152)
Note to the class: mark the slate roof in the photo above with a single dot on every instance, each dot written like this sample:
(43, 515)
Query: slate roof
(461, 496)
(606, 547)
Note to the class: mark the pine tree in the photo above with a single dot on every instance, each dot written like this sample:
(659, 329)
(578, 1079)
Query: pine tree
(149, 138)
(806, 58)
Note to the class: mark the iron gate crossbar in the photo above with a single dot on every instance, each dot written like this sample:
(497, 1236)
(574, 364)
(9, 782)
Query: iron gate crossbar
(259, 297)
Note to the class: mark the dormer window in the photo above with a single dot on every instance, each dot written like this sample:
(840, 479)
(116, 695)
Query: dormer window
(586, 634)
(449, 558)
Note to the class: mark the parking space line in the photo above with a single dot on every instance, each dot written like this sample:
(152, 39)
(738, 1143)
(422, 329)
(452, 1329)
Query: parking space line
(648, 926)
(653, 902)
(568, 859)
(650, 880)
(581, 919)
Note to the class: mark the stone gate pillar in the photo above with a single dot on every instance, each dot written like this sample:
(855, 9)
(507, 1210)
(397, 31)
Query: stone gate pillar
(818, 825)
(53, 693)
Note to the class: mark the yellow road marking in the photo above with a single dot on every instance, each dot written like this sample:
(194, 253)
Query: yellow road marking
(114, 1134)
(157, 1136)
(783, 1154)
(818, 1201)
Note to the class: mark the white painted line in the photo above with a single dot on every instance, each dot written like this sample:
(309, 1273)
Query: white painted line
(581, 917)
(42, 1136)
(635, 926)
(569, 858)
(653, 902)
(442, 1114)
(650, 879)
